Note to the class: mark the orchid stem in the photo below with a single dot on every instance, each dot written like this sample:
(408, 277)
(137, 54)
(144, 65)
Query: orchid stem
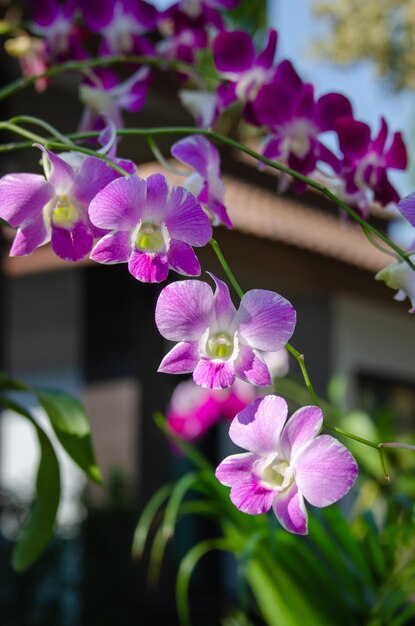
(226, 268)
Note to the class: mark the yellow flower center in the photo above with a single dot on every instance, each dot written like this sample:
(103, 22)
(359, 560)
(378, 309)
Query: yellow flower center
(64, 214)
(220, 346)
(149, 238)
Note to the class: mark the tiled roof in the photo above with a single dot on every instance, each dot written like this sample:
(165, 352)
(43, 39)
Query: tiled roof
(264, 214)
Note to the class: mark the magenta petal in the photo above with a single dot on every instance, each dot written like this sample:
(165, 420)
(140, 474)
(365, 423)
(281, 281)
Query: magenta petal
(61, 175)
(329, 107)
(182, 258)
(407, 207)
(72, 244)
(220, 214)
(233, 51)
(301, 428)
(251, 497)
(258, 427)
(30, 237)
(93, 176)
(396, 157)
(198, 152)
(113, 248)
(149, 267)
(185, 218)
(266, 58)
(224, 307)
(265, 320)
(157, 191)
(379, 142)
(119, 206)
(250, 367)
(214, 374)
(325, 471)
(97, 13)
(184, 310)
(354, 137)
(22, 197)
(290, 510)
(235, 468)
(182, 359)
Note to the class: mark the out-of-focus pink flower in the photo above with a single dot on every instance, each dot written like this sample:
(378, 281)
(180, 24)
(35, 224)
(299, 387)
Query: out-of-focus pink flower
(32, 56)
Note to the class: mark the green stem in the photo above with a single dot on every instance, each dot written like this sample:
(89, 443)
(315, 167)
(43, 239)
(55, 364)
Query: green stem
(300, 360)
(226, 268)
(28, 119)
(80, 66)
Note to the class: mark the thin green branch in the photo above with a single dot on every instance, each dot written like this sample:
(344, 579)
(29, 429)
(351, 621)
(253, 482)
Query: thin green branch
(186, 130)
(80, 66)
(226, 268)
(28, 119)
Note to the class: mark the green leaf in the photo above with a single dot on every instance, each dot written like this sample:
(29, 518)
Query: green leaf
(70, 423)
(146, 519)
(38, 528)
(185, 572)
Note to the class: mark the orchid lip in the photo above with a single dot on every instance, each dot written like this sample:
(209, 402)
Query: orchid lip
(64, 215)
(149, 237)
(219, 346)
(275, 472)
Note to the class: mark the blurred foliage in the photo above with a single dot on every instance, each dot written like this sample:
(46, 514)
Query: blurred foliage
(379, 31)
(351, 570)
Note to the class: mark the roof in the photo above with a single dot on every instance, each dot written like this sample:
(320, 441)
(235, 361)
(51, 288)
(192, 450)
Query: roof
(261, 213)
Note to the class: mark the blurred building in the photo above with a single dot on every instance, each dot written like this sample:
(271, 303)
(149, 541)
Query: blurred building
(90, 328)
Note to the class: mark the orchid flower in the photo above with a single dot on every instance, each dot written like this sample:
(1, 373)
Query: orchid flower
(54, 207)
(104, 97)
(205, 182)
(367, 161)
(217, 342)
(286, 463)
(152, 228)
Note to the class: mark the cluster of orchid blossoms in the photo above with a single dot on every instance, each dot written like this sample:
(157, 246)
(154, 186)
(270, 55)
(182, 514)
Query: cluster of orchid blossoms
(99, 206)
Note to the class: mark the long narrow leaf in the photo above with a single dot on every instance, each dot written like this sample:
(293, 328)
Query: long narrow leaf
(186, 569)
(147, 518)
(38, 528)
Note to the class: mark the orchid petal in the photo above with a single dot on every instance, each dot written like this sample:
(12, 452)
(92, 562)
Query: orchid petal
(396, 157)
(119, 206)
(182, 259)
(214, 374)
(72, 244)
(407, 207)
(250, 367)
(30, 236)
(113, 248)
(265, 320)
(354, 137)
(290, 511)
(330, 107)
(233, 51)
(22, 198)
(258, 427)
(184, 310)
(148, 267)
(182, 359)
(61, 175)
(235, 468)
(185, 218)
(224, 308)
(300, 429)
(325, 471)
(266, 58)
(93, 176)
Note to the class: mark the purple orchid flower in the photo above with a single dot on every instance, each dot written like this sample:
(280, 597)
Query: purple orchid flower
(205, 182)
(217, 342)
(56, 23)
(122, 24)
(367, 161)
(295, 118)
(54, 208)
(287, 462)
(152, 229)
(235, 58)
(104, 97)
